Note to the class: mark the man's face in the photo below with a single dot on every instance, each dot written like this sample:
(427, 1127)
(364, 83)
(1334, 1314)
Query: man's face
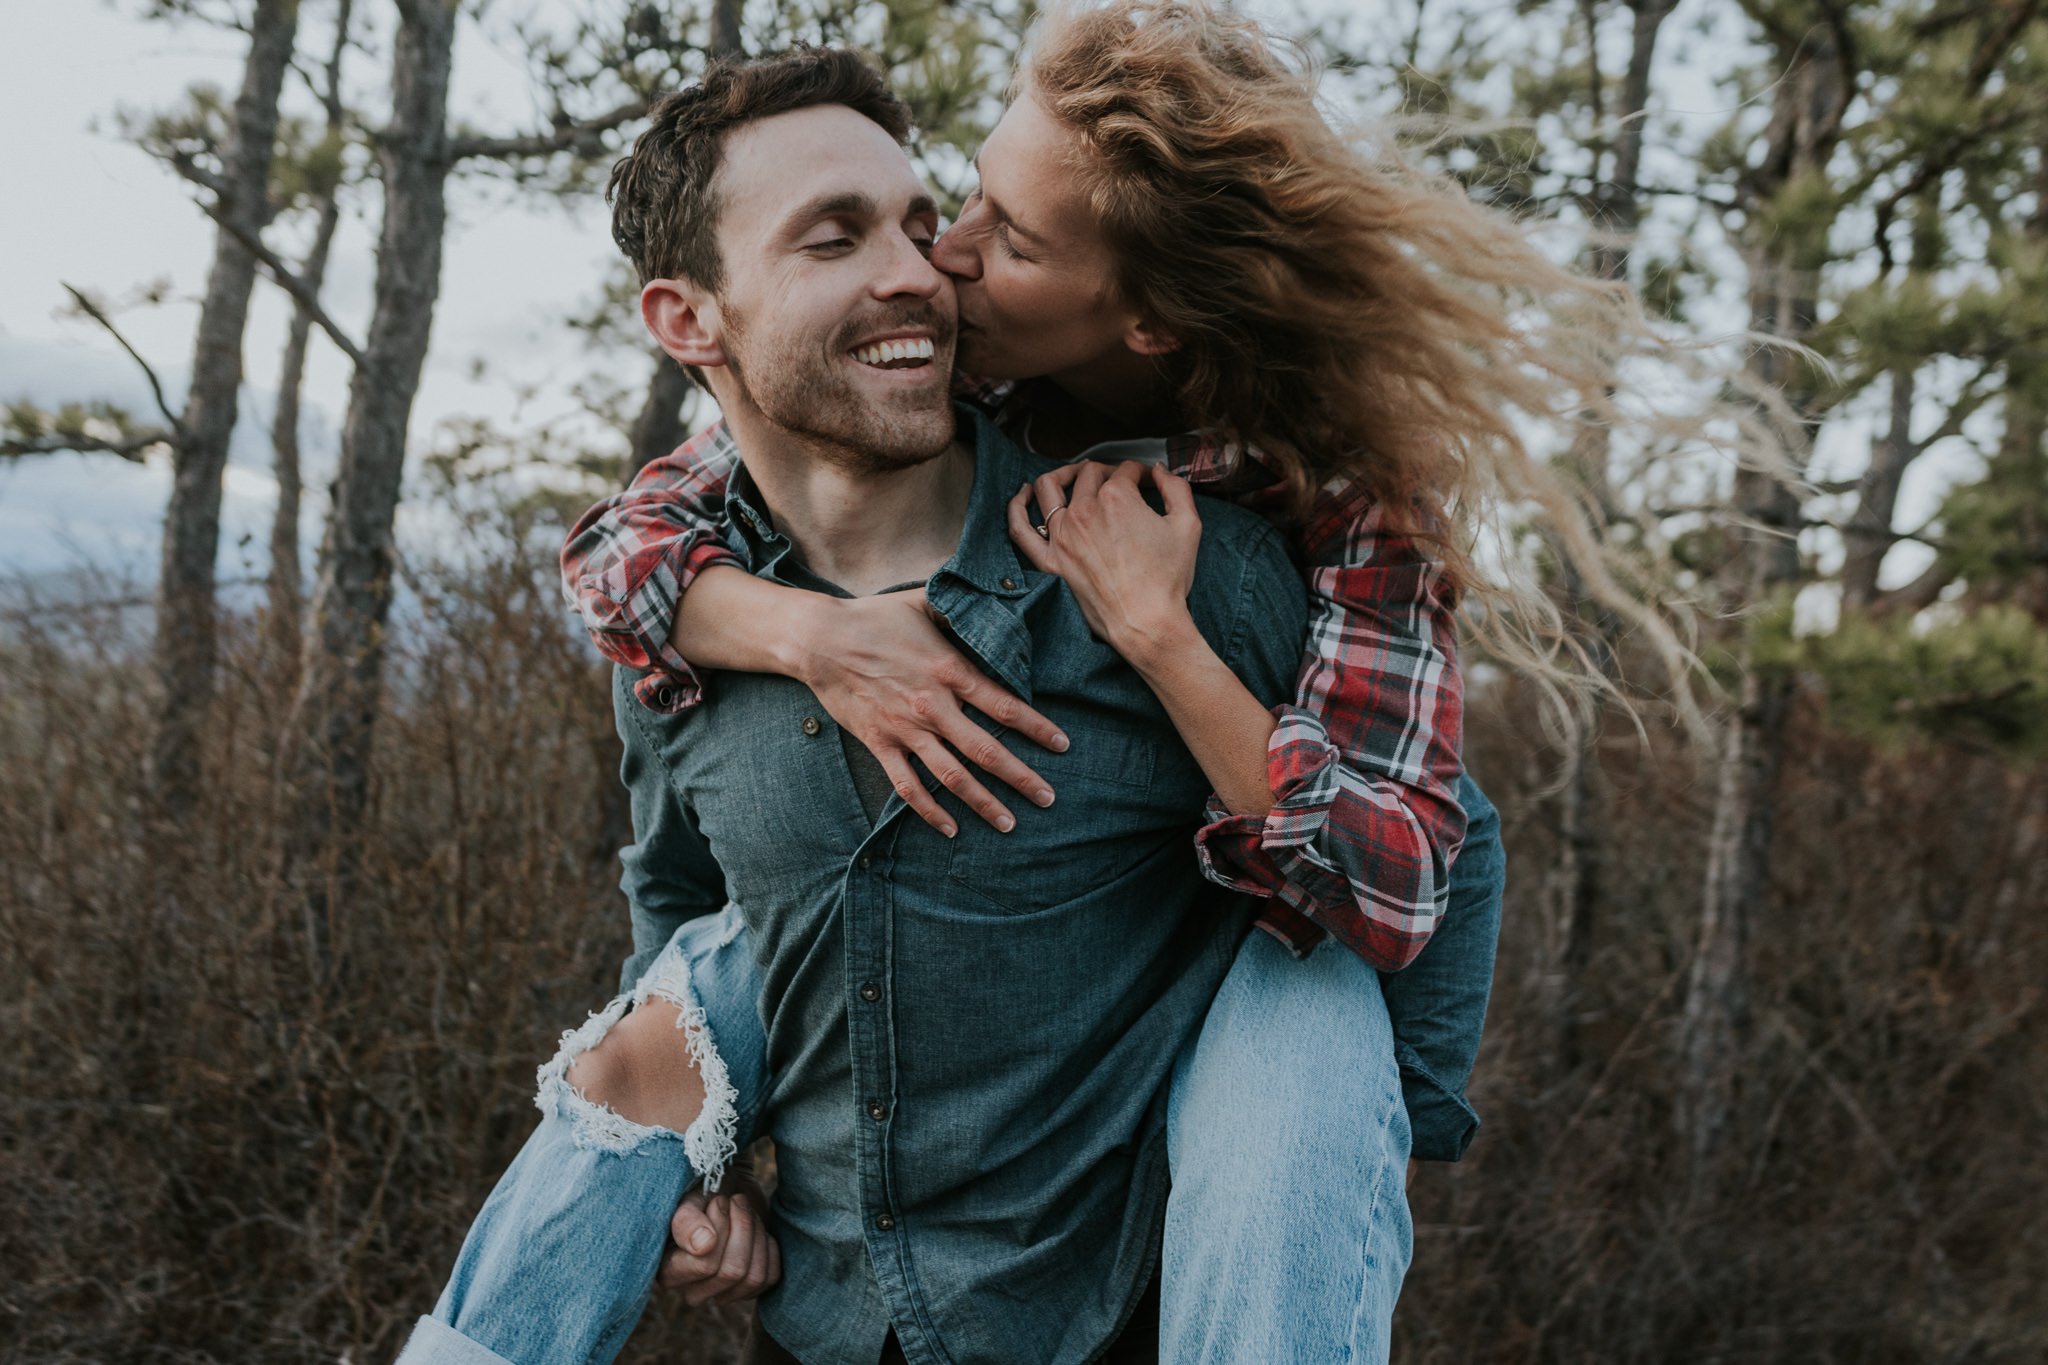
(1035, 276)
(834, 324)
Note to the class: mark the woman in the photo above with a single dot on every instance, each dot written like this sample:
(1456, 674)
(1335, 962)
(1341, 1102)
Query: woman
(1202, 274)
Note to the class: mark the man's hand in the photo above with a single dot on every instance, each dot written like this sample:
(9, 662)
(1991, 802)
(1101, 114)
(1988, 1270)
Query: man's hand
(884, 671)
(720, 1248)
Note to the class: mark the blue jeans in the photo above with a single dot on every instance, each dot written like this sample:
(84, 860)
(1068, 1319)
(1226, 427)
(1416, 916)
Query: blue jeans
(1287, 1232)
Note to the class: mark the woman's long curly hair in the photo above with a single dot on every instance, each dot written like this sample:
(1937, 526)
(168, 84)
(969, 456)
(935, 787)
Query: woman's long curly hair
(1355, 318)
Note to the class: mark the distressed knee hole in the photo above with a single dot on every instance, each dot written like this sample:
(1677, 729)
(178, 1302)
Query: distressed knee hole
(643, 1069)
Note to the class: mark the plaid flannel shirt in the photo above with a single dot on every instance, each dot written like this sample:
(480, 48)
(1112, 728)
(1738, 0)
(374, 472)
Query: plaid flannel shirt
(1363, 765)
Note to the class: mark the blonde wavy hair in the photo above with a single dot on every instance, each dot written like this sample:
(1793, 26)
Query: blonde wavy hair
(1355, 318)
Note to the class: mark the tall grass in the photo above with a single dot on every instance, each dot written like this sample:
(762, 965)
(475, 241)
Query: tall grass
(209, 1150)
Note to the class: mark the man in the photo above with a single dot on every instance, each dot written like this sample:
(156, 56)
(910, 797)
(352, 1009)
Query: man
(970, 1037)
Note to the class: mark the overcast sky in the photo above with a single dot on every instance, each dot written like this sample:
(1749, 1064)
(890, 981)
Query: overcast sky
(95, 212)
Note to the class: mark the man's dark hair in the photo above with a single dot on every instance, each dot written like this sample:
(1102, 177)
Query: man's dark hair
(664, 215)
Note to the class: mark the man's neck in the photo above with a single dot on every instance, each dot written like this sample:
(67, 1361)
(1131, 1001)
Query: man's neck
(861, 531)
(1120, 401)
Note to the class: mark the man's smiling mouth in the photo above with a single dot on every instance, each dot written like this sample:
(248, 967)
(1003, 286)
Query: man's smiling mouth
(908, 354)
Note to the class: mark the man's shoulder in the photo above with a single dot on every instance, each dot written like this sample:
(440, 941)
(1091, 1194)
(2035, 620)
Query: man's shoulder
(1245, 536)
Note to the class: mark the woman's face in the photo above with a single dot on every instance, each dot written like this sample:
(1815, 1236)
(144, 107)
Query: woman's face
(1035, 277)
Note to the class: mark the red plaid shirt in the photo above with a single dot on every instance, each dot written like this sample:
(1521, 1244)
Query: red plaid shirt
(1364, 764)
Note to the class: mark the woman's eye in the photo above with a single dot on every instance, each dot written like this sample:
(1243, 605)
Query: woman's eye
(1009, 247)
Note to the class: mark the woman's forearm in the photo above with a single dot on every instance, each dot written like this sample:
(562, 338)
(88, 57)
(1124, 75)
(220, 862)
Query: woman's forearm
(731, 620)
(1223, 724)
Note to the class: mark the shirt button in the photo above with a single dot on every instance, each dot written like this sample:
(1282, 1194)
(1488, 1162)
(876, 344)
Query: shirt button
(884, 1223)
(811, 726)
(665, 698)
(870, 992)
(877, 1110)
(1010, 583)
(865, 862)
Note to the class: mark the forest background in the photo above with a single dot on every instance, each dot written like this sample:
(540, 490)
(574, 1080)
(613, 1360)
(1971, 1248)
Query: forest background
(308, 825)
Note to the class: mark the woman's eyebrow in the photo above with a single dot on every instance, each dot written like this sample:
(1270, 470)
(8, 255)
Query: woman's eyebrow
(997, 209)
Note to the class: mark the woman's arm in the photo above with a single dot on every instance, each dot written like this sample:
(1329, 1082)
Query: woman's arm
(650, 573)
(1351, 822)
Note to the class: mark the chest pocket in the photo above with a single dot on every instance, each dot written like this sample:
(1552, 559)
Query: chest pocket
(1116, 796)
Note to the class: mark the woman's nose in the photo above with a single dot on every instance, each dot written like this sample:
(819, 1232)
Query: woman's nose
(957, 252)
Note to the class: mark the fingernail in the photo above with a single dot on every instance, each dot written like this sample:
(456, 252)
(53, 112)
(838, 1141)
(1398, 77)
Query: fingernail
(949, 830)
(1060, 744)
(1006, 824)
(701, 1240)
(1043, 796)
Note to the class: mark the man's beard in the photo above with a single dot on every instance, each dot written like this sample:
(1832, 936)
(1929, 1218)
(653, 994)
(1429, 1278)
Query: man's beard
(813, 398)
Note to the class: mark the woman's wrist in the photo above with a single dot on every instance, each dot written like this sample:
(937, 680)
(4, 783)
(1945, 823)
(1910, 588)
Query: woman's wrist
(1153, 645)
(794, 635)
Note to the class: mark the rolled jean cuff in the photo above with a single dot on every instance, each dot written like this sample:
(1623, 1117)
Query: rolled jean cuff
(434, 1342)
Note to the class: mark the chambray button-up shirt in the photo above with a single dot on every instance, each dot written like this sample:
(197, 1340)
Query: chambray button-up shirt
(970, 1038)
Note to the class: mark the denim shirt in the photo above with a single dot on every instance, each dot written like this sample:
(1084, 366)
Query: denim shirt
(970, 1038)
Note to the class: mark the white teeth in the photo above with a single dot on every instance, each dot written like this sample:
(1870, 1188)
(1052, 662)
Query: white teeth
(883, 352)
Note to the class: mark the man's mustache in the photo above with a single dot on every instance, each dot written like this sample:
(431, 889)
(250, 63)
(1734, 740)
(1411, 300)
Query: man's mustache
(900, 318)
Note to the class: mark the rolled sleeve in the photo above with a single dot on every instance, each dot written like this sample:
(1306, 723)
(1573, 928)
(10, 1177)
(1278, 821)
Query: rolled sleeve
(1360, 857)
(628, 561)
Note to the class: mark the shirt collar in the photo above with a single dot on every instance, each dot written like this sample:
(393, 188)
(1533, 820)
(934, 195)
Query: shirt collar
(1203, 456)
(984, 559)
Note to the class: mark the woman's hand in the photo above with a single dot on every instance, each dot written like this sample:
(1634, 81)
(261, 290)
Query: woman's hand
(884, 671)
(1130, 568)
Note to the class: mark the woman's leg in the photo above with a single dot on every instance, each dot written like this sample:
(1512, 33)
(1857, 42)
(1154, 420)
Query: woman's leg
(559, 1264)
(1287, 1233)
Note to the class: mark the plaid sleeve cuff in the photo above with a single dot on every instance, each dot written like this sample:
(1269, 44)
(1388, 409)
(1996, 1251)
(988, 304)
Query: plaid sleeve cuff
(640, 594)
(1286, 853)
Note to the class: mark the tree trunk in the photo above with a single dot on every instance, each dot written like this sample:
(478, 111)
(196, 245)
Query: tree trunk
(186, 648)
(1806, 122)
(659, 428)
(1576, 885)
(1867, 539)
(334, 715)
(286, 595)
(725, 29)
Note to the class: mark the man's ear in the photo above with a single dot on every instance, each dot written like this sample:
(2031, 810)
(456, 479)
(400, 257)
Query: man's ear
(1147, 339)
(685, 322)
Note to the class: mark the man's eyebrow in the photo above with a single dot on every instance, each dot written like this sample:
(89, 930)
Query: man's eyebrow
(849, 204)
(835, 204)
(997, 209)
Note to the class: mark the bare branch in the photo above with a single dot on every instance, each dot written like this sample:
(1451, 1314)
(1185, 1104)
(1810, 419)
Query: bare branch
(156, 388)
(1964, 701)
(288, 280)
(129, 448)
(564, 136)
(187, 166)
(1921, 593)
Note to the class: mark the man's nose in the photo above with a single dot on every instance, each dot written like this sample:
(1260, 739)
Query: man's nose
(910, 271)
(958, 250)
